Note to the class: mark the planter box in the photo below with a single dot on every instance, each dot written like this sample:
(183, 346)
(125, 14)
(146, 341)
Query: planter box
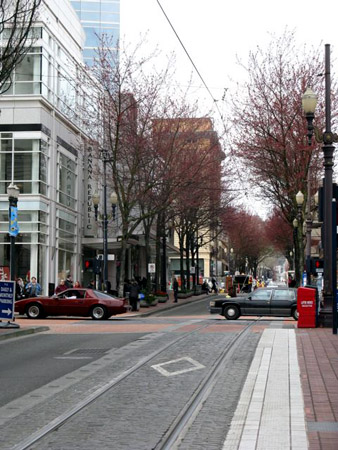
(184, 294)
(162, 298)
(198, 290)
(145, 304)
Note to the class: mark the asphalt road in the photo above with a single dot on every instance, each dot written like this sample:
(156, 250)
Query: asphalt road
(30, 362)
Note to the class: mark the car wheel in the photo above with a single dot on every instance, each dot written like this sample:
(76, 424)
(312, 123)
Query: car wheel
(295, 313)
(99, 312)
(34, 311)
(231, 312)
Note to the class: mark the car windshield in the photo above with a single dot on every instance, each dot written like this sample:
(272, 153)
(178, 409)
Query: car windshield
(103, 295)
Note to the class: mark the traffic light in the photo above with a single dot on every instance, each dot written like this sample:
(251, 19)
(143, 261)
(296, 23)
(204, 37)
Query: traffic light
(316, 265)
(92, 265)
(89, 264)
(319, 265)
(97, 265)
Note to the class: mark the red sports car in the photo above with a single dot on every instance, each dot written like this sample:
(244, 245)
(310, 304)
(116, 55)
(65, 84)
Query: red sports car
(73, 302)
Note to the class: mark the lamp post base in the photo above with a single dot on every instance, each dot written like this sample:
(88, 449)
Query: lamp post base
(325, 318)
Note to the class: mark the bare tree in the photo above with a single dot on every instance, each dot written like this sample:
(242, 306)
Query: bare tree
(130, 100)
(16, 20)
(270, 127)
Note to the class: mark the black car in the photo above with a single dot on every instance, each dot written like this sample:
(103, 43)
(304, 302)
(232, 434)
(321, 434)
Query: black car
(281, 302)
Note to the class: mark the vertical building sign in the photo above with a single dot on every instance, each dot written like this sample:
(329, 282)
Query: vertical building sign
(89, 211)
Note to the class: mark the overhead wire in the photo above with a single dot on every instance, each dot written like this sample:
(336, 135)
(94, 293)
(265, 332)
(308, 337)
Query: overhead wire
(202, 79)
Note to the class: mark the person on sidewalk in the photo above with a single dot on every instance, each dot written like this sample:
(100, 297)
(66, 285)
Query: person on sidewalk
(175, 288)
(19, 289)
(133, 296)
(69, 282)
(33, 288)
(61, 287)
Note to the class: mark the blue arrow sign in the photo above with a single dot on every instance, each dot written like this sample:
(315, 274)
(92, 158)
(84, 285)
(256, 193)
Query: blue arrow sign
(7, 298)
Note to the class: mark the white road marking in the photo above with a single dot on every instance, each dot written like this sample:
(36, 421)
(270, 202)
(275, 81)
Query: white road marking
(194, 366)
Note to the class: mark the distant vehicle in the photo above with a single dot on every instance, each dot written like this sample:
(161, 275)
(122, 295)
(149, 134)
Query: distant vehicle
(73, 302)
(242, 283)
(270, 301)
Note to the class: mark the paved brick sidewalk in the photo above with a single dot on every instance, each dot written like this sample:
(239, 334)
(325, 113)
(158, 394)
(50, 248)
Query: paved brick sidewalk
(318, 361)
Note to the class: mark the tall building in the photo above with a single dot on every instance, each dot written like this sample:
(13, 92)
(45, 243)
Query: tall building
(41, 151)
(98, 17)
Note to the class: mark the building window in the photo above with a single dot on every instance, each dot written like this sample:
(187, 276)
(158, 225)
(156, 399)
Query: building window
(66, 244)
(67, 181)
(25, 162)
(27, 75)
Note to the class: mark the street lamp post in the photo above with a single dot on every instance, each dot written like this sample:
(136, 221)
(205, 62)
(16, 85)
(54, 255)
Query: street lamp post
(296, 257)
(309, 104)
(300, 244)
(13, 194)
(105, 218)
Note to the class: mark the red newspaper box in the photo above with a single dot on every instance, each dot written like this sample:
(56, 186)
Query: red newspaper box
(307, 307)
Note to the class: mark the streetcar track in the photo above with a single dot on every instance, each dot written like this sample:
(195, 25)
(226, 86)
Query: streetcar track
(181, 422)
(70, 413)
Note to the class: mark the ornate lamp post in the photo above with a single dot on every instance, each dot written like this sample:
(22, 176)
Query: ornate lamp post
(309, 105)
(105, 218)
(13, 194)
(300, 243)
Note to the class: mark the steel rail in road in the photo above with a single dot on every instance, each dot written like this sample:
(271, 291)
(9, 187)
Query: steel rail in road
(180, 424)
(183, 421)
(67, 415)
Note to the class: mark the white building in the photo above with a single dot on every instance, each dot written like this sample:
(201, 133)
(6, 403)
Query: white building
(40, 142)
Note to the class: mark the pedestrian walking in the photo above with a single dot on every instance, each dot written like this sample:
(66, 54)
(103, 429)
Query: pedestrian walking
(60, 287)
(19, 289)
(91, 284)
(214, 285)
(77, 284)
(69, 282)
(33, 288)
(175, 288)
(133, 295)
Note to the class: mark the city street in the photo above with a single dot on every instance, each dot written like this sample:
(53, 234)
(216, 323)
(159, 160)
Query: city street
(50, 373)
(170, 380)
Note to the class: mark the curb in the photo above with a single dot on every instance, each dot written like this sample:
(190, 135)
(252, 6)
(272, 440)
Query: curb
(21, 332)
(171, 305)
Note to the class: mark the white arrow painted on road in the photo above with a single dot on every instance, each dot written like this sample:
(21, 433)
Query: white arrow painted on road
(6, 311)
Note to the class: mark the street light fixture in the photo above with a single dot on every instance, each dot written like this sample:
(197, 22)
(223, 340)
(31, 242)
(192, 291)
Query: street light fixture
(300, 202)
(309, 105)
(13, 194)
(105, 218)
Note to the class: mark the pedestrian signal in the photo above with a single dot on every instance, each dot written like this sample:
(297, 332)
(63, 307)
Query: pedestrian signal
(316, 265)
(88, 264)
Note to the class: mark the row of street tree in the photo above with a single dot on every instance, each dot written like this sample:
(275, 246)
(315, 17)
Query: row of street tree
(165, 160)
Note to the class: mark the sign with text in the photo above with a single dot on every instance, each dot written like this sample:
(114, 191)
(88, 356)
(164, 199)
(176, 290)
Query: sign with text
(151, 268)
(7, 298)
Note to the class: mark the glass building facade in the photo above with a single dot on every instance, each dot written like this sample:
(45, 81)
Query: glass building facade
(40, 138)
(98, 17)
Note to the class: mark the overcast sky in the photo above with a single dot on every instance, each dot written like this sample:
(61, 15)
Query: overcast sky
(216, 32)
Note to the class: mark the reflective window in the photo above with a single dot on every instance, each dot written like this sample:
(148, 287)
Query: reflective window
(67, 181)
(22, 162)
(284, 294)
(261, 295)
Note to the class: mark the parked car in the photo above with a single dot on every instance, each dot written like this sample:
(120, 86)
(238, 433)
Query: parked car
(281, 302)
(73, 302)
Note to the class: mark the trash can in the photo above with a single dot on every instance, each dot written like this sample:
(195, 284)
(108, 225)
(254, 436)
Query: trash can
(307, 307)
